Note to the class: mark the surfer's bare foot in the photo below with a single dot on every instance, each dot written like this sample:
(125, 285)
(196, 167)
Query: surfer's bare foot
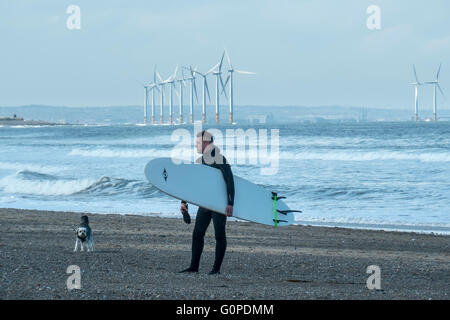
(189, 270)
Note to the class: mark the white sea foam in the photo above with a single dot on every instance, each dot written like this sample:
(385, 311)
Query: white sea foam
(367, 156)
(254, 154)
(375, 224)
(17, 166)
(120, 153)
(14, 185)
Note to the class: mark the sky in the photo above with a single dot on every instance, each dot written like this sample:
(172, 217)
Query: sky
(304, 52)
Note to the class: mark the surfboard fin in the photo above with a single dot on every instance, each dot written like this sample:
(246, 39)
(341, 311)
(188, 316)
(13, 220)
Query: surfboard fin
(275, 198)
(285, 212)
(278, 198)
(277, 221)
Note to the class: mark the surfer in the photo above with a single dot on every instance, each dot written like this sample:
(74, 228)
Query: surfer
(211, 156)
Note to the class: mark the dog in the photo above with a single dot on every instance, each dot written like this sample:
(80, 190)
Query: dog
(84, 235)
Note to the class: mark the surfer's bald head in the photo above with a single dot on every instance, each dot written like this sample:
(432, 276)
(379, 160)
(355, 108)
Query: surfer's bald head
(206, 136)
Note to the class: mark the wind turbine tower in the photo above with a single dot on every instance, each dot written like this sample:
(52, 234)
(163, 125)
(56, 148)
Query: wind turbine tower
(180, 96)
(153, 86)
(171, 83)
(145, 103)
(205, 90)
(217, 71)
(230, 78)
(193, 90)
(435, 84)
(416, 95)
(161, 105)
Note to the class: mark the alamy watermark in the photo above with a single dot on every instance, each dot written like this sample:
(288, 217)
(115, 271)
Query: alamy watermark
(73, 22)
(374, 280)
(374, 20)
(74, 280)
(255, 147)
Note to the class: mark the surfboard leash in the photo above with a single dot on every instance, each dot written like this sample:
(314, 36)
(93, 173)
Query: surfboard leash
(275, 215)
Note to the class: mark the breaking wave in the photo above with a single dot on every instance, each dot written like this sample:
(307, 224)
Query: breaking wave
(367, 156)
(36, 183)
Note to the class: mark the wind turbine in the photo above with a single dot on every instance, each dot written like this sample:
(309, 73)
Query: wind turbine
(416, 94)
(180, 96)
(217, 71)
(205, 90)
(152, 87)
(171, 82)
(436, 84)
(162, 83)
(193, 90)
(145, 103)
(230, 78)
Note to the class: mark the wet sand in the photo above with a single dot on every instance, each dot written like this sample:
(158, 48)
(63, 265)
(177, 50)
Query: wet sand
(139, 257)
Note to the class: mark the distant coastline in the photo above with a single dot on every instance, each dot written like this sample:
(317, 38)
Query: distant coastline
(244, 115)
(19, 121)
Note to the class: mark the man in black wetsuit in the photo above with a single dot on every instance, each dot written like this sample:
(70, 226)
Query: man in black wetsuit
(211, 156)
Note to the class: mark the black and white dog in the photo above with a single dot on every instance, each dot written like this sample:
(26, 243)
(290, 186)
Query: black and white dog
(84, 235)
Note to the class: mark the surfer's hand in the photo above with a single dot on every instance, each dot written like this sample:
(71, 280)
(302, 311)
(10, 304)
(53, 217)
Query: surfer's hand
(229, 211)
(183, 207)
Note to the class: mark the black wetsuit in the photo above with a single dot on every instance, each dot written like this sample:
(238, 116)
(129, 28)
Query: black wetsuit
(204, 216)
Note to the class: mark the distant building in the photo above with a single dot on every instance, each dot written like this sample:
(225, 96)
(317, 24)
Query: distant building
(14, 118)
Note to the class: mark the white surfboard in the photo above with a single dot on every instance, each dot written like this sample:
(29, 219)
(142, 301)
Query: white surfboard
(205, 187)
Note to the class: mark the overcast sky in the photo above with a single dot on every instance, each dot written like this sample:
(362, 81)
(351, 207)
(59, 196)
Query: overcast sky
(308, 53)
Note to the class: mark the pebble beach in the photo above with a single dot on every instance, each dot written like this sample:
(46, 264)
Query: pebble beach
(139, 257)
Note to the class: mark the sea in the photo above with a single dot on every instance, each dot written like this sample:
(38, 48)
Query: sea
(367, 175)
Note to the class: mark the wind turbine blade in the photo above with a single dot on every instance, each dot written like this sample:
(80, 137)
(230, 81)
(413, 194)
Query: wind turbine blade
(212, 69)
(225, 85)
(195, 90)
(159, 76)
(154, 74)
(442, 92)
(176, 92)
(228, 58)
(244, 72)
(207, 90)
(221, 61)
(415, 74)
(439, 70)
(175, 73)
